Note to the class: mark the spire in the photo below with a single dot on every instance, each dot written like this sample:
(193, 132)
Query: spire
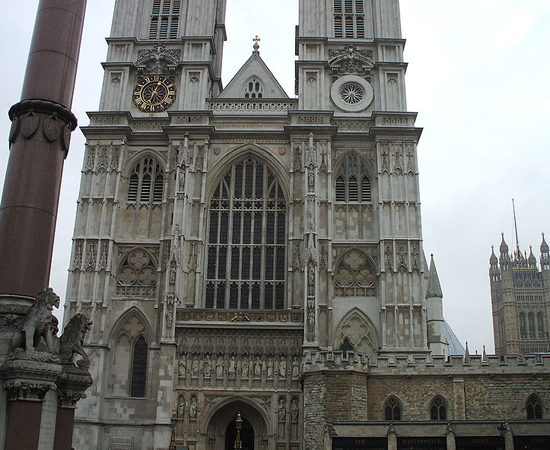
(544, 246)
(503, 246)
(531, 260)
(493, 260)
(434, 287)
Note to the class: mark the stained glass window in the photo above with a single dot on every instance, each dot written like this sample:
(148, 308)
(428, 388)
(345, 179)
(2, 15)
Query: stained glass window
(247, 240)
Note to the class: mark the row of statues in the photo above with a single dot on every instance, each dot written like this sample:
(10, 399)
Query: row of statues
(245, 367)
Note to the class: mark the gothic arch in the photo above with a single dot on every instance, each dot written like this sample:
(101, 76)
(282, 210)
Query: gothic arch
(128, 364)
(392, 408)
(370, 169)
(223, 414)
(357, 328)
(534, 407)
(133, 160)
(243, 152)
(132, 316)
(439, 409)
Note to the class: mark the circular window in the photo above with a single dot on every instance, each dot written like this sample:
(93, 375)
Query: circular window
(351, 93)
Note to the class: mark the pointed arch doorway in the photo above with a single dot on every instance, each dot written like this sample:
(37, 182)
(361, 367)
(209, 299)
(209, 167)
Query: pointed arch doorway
(221, 430)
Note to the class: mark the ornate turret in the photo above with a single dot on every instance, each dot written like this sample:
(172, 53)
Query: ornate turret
(544, 255)
(531, 260)
(494, 269)
(504, 255)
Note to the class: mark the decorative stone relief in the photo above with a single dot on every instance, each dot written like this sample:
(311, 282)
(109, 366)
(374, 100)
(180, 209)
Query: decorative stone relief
(354, 276)
(22, 390)
(137, 274)
(350, 60)
(158, 60)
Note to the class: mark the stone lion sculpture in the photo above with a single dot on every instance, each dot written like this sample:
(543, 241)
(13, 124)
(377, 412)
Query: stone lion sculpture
(38, 323)
(72, 339)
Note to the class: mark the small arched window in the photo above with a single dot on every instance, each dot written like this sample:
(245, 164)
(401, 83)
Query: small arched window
(352, 182)
(253, 89)
(533, 406)
(139, 367)
(146, 182)
(393, 409)
(438, 409)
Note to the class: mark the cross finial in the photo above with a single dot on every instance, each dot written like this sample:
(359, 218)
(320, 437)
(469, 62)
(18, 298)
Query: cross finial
(256, 45)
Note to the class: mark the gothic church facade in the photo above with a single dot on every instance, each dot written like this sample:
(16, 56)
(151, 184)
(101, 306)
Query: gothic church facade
(243, 251)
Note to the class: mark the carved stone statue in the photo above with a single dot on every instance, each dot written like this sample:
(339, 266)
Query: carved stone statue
(72, 339)
(193, 408)
(207, 368)
(282, 368)
(38, 323)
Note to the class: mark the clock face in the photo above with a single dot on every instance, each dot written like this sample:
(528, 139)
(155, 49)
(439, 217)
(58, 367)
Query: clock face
(154, 94)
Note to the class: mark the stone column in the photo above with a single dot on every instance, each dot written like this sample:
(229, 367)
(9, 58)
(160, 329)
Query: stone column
(39, 141)
(27, 381)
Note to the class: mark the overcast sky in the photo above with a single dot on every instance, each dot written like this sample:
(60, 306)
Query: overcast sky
(478, 77)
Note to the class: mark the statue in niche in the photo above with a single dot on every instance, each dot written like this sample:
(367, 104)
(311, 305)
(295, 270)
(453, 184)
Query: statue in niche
(232, 367)
(282, 369)
(207, 368)
(258, 368)
(294, 417)
(282, 416)
(269, 368)
(39, 323)
(180, 407)
(219, 367)
(295, 368)
(245, 369)
(182, 368)
(193, 408)
(195, 368)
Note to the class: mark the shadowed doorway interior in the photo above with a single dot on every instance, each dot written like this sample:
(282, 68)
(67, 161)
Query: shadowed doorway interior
(247, 436)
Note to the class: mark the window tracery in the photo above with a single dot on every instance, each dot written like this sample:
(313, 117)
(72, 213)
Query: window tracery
(354, 277)
(253, 89)
(438, 409)
(392, 409)
(146, 182)
(165, 17)
(137, 275)
(246, 263)
(533, 406)
(352, 182)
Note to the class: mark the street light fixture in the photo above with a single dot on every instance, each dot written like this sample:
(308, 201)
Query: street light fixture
(238, 426)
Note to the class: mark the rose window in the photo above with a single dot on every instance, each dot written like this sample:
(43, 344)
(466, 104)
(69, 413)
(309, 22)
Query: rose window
(354, 276)
(352, 93)
(137, 275)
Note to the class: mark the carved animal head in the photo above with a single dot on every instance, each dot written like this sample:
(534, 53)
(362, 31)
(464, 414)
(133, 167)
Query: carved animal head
(48, 297)
(78, 323)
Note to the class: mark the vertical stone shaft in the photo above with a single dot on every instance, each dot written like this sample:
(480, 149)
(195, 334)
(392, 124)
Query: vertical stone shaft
(39, 140)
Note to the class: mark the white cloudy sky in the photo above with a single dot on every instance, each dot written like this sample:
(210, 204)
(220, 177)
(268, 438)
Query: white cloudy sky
(478, 77)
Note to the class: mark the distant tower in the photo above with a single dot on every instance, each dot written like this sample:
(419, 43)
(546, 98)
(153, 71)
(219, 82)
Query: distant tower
(520, 298)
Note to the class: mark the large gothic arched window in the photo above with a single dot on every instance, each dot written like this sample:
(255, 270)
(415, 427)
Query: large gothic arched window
(247, 240)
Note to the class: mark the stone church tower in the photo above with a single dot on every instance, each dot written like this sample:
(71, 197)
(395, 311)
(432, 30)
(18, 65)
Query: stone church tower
(235, 246)
(520, 298)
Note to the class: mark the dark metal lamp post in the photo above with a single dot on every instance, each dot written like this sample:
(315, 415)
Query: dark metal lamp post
(238, 426)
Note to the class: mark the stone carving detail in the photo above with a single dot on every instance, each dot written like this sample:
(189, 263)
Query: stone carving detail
(350, 61)
(352, 126)
(297, 263)
(297, 157)
(23, 390)
(39, 323)
(158, 60)
(72, 339)
(138, 275)
(402, 255)
(281, 414)
(169, 311)
(258, 106)
(354, 276)
(180, 407)
(388, 252)
(193, 408)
